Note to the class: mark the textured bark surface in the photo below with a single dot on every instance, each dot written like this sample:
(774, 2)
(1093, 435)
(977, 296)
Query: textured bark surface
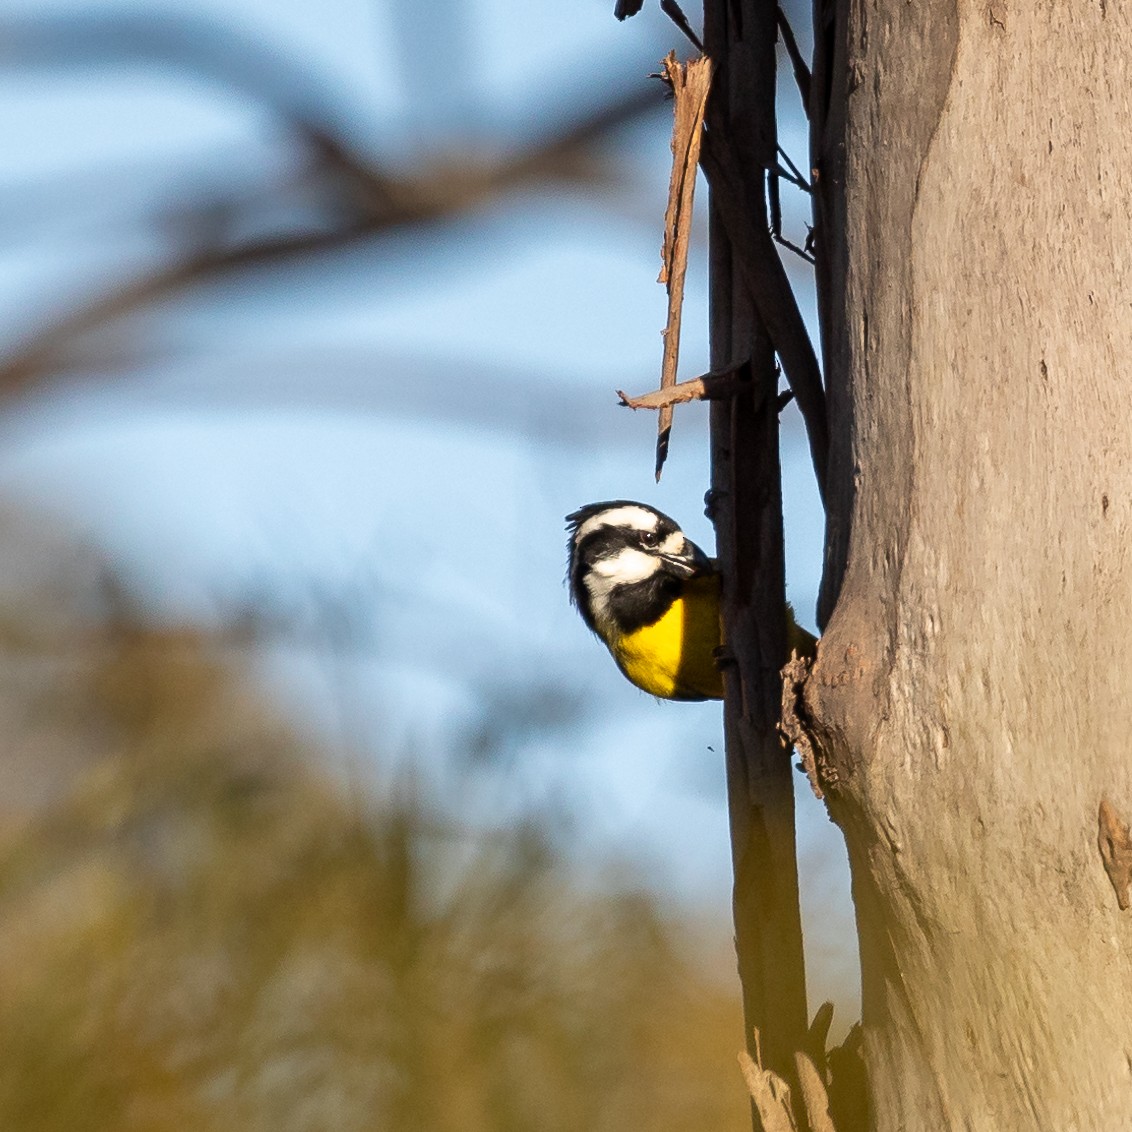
(971, 700)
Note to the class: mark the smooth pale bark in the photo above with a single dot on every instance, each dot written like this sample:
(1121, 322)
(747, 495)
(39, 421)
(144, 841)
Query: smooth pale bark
(972, 699)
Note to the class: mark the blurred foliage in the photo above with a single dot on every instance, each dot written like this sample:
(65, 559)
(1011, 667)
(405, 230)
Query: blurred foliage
(203, 931)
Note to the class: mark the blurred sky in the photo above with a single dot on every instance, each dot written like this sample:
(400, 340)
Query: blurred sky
(377, 442)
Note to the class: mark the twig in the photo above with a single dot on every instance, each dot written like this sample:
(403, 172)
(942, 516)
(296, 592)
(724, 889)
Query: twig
(706, 387)
(781, 239)
(781, 173)
(795, 175)
(774, 198)
(801, 71)
(690, 83)
(676, 14)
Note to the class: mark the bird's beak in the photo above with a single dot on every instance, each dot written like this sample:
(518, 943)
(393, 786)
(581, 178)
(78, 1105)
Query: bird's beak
(688, 564)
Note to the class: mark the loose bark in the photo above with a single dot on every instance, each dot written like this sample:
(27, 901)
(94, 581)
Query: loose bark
(690, 83)
(770, 1095)
(970, 703)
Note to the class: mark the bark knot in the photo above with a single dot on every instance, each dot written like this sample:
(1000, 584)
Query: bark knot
(1115, 844)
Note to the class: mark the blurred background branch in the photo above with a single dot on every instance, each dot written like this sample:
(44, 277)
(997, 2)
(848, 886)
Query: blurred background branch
(347, 194)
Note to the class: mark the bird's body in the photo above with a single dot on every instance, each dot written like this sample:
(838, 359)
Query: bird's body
(676, 656)
(654, 598)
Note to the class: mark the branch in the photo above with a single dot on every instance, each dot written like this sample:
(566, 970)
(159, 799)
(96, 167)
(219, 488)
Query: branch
(801, 71)
(794, 176)
(770, 291)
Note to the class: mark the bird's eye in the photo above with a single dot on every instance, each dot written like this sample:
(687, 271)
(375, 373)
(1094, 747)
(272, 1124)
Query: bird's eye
(649, 538)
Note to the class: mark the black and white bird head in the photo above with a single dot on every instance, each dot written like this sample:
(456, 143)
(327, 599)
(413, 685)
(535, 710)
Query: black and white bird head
(624, 559)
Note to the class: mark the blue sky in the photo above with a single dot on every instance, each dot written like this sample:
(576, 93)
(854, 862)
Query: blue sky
(386, 439)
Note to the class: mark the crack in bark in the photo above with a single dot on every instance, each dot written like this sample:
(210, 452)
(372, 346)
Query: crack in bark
(795, 722)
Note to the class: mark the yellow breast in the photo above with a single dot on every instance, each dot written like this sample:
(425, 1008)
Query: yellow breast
(674, 657)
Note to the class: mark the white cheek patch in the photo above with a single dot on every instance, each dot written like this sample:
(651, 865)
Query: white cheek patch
(632, 516)
(624, 568)
(627, 566)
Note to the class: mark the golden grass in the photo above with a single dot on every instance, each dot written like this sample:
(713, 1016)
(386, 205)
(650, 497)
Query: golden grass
(201, 933)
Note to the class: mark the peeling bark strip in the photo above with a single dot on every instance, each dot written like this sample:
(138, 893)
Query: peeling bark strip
(769, 1093)
(690, 83)
(1115, 845)
(793, 725)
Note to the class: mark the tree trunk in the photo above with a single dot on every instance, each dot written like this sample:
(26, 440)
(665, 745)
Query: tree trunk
(970, 704)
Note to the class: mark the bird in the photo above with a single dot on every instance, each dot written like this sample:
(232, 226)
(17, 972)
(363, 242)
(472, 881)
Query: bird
(653, 597)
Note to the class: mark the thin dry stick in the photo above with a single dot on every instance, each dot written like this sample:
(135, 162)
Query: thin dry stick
(706, 387)
(690, 84)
